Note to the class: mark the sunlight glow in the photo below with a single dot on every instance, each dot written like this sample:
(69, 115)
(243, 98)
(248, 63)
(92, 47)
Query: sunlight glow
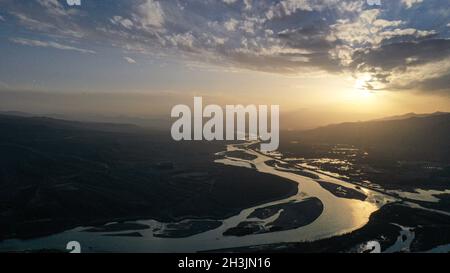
(363, 88)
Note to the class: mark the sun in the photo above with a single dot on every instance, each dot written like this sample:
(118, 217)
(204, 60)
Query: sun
(363, 90)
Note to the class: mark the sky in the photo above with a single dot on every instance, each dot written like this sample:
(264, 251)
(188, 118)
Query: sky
(322, 61)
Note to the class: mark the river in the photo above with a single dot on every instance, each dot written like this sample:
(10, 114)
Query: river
(339, 216)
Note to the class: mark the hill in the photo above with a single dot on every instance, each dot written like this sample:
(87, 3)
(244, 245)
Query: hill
(409, 138)
(58, 174)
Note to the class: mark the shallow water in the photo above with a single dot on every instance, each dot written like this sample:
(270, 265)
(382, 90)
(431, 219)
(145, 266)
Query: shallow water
(440, 249)
(404, 240)
(421, 195)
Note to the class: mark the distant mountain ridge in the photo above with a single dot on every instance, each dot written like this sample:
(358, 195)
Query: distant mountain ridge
(12, 119)
(155, 123)
(415, 137)
(405, 137)
(411, 115)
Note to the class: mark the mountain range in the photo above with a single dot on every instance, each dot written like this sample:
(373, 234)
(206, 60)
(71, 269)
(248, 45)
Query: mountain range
(407, 137)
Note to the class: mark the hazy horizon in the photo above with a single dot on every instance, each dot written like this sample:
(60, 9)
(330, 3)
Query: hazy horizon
(152, 110)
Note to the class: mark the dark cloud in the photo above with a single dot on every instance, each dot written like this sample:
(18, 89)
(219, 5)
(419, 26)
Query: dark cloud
(398, 55)
(441, 84)
(393, 60)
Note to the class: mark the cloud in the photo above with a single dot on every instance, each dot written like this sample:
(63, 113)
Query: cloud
(248, 26)
(31, 23)
(130, 60)
(410, 3)
(50, 26)
(185, 40)
(53, 7)
(367, 30)
(48, 44)
(124, 22)
(231, 24)
(229, 1)
(248, 4)
(433, 76)
(422, 65)
(388, 54)
(385, 44)
(2, 19)
(287, 8)
(150, 14)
